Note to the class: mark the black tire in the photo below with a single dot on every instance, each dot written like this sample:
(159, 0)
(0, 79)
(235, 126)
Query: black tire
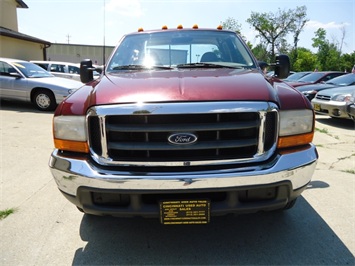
(80, 209)
(290, 204)
(44, 100)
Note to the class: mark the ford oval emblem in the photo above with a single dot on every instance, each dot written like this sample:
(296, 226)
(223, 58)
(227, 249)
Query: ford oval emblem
(182, 138)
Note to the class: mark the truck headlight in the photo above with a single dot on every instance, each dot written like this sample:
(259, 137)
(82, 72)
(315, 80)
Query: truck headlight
(296, 128)
(69, 133)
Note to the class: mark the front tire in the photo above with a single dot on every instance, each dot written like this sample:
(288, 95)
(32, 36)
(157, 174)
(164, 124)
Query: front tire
(290, 204)
(44, 100)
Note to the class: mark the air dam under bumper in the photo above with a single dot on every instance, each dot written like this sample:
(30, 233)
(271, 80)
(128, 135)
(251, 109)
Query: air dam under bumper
(288, 174)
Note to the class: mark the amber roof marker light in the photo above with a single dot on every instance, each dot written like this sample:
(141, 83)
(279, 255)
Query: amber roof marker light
(140, 29)
(180, 27)
(219, 27)
(164, 27)
(195, 26)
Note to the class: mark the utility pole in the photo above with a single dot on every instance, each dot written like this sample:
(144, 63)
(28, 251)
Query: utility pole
(68, 37)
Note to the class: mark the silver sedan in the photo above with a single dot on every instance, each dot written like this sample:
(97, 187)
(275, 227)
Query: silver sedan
(25, 81)
(333, 102)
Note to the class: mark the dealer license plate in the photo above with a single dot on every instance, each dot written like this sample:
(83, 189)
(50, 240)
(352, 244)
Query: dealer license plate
(185, 211)
(316, 107)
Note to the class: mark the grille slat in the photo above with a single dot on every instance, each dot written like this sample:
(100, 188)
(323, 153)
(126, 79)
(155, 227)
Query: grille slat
(167, 147)
(181, 127)
(323, 97)
(223, 133)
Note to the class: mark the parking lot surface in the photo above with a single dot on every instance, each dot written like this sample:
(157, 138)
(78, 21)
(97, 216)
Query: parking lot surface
(48, 230)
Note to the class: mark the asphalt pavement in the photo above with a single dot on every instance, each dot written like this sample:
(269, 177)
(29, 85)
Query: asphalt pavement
(48, 230)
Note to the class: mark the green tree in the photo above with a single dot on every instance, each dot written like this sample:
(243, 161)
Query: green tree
(321, 43)
(232, 24)
(347, 62)
(261, 52)
(328, 54)
(273, 28)
(300, 22)
(306, 60)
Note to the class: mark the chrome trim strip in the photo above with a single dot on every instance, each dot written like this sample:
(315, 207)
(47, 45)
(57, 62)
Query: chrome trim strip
(102, 123)
(181, 108)
(261, 140)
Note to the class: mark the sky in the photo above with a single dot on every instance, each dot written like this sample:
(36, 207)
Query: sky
(98, 22)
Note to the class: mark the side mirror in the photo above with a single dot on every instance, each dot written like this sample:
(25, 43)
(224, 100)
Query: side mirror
(15, 75)
(86, 71)
(99, 69)
(282, 66)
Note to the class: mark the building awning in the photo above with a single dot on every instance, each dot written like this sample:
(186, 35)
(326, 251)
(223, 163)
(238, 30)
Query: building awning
(21, 4)
(17, 35)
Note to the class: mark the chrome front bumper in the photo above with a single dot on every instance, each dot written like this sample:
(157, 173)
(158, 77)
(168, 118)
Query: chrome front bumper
(71, 173)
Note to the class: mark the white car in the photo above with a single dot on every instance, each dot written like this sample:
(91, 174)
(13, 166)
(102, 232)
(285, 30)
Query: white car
(25, 81)
(334, 102)
(62, 69)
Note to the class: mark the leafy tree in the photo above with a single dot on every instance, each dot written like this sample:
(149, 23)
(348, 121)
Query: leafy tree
(347, 62)
(283, 47)
(273, 28)
(332, 60)
(250, 45)
(320, 42)
(300, 22)
(328, 54)
(261, 52)
(306, 60)
(232, 24)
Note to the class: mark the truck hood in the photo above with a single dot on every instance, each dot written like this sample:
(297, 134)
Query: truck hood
(183, 85)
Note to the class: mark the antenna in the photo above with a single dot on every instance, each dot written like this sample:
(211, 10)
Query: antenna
(104, 48)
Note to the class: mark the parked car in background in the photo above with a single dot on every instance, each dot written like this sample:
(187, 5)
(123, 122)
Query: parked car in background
(334, 102)
(25, 81)
(351, 107)
(62, 69)
(316, 77)
(296, 76)
(272, 73)
(311, 90)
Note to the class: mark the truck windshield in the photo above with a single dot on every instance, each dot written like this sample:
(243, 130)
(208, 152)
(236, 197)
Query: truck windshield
(184, 48)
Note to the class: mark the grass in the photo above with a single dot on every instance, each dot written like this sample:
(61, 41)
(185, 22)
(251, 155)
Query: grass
(351, 171)
(5, 213)
(324, 130)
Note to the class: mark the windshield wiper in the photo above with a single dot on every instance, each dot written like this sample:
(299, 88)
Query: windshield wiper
(207, 65)
(139, 67)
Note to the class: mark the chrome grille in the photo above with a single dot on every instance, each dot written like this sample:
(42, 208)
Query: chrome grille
(322, 97)
(227, 132)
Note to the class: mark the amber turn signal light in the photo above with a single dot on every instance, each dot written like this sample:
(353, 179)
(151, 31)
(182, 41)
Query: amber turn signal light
(296, 140)
(69, 145)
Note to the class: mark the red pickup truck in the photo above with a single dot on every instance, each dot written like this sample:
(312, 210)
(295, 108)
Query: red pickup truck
(183, 125)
